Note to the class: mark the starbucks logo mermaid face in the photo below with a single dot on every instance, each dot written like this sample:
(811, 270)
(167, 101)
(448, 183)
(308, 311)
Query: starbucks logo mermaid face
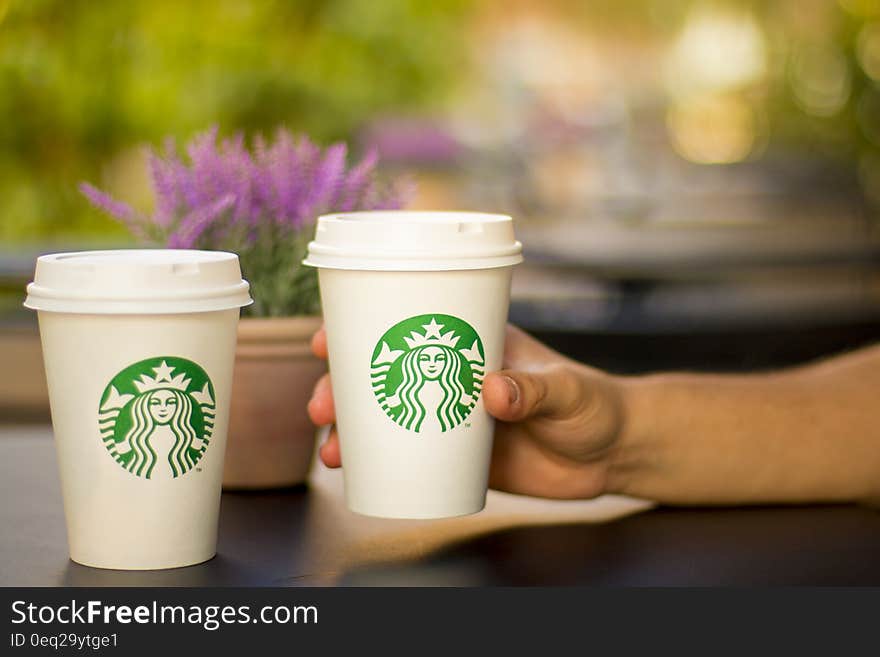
(427, 372)
(156, 417)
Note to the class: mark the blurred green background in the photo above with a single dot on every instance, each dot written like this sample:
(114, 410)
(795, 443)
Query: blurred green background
(84, 82)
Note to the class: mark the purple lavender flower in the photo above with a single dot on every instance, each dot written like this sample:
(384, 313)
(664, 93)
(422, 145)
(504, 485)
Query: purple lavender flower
(194, 224)
(260, 203)
(357, 185)
(289, 181)
(121, 211)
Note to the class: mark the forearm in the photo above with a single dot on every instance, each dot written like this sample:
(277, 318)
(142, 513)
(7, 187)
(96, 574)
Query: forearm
(804, 435)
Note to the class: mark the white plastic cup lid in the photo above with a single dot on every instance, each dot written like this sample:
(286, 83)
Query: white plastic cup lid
(138, 281)
(396, 240)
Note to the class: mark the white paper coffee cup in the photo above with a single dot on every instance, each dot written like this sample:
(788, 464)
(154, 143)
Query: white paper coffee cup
(415, 306)
(139, 348)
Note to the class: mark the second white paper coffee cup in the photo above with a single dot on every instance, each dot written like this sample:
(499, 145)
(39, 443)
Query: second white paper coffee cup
(415, 307)
(139, 349)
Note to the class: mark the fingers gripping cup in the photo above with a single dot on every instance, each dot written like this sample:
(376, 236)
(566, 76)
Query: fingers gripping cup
(139, 347)
(415, 306)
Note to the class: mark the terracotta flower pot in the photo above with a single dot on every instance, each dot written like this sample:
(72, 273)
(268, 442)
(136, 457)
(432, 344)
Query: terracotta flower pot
(271, 440)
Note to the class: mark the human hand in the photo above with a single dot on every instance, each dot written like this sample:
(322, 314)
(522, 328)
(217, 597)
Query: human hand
(557, 421)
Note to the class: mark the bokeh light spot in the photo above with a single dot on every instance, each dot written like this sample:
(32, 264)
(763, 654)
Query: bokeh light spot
(715, 129)
(820, 79)
(868, 49)
(718, 49)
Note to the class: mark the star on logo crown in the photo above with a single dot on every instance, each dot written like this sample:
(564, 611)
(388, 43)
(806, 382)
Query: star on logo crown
(163, 379)
(432, 336)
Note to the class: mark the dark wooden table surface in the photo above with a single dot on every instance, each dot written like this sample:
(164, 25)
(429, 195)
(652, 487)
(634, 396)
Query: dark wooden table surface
(305, 536)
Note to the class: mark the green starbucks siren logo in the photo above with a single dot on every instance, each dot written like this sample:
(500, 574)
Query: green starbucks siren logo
(156, 417)
(427, 371)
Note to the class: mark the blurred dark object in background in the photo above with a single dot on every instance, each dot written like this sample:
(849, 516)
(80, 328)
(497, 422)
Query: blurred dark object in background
(753, 266)
(712, 351)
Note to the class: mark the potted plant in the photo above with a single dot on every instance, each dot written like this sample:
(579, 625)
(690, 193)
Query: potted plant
(260, 203)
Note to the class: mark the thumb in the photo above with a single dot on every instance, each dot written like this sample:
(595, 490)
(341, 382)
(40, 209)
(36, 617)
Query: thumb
(513, 395)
